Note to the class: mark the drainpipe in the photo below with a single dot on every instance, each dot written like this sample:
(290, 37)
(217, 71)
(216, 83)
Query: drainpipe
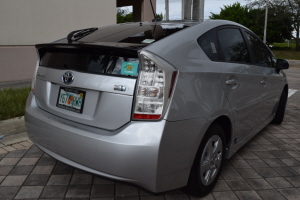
(187, 9)
(201, 10)
(167, 9)
(198, 10)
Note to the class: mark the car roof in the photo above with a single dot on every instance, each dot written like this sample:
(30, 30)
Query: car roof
(137, 35)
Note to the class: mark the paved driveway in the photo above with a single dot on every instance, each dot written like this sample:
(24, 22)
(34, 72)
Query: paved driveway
(268, 168)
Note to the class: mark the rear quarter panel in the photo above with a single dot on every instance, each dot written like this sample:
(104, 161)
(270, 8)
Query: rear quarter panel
(198, 99)
(198, 92)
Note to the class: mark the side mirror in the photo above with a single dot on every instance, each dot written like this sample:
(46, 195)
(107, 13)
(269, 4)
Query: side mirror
(282, 64)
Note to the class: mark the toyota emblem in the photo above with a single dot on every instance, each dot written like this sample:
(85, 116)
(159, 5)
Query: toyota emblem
(68, 77)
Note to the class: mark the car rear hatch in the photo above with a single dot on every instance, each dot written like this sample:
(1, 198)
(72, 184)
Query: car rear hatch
(88, 84)
(91, 78)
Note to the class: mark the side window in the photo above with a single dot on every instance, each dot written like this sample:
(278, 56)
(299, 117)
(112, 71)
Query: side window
(262, 55)
(208, 42)
(232, 46)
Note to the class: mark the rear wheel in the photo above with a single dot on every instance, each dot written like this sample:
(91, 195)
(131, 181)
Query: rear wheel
(208, 162)
(279, 115)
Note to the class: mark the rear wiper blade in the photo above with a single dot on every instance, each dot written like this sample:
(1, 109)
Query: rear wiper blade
(78, 34)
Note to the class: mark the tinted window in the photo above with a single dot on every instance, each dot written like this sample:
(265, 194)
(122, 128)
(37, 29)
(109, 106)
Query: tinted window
(262, 55)
(208, 43)
(232, 46)
(91, 60)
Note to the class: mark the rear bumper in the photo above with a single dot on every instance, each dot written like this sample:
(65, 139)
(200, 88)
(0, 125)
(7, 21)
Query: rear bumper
(154, 155)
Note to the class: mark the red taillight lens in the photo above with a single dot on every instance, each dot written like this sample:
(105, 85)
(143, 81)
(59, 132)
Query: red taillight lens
(154, 88)
(143, 116)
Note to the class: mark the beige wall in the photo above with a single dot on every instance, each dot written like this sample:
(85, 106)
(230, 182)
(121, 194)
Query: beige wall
(147, 10)
(17, 63)
(27, 22)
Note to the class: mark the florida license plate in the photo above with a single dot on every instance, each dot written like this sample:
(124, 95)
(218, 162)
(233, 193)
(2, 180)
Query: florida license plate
(71, 99)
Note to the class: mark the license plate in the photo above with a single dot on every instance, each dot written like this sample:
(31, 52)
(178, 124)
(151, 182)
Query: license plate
(71, 99)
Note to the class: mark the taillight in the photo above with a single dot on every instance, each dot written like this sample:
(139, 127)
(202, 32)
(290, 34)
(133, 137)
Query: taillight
(34, 77)
(155, 84)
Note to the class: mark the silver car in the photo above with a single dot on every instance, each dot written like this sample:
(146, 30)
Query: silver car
(159, 105)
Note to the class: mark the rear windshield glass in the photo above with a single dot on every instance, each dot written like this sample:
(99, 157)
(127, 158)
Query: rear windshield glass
(91, 61)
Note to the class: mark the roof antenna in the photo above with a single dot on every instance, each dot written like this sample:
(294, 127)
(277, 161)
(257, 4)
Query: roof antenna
(154, 14)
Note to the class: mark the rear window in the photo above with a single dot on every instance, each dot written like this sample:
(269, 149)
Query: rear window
(91, 61)
(208, 43)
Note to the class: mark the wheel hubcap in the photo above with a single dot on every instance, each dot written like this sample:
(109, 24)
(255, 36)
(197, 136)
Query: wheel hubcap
(211, 159)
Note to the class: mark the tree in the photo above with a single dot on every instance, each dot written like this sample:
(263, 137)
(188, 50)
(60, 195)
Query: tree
(234, 12)
(159, 16)
(253, 18)
(124, 16)
(285, 9)
(277, 31)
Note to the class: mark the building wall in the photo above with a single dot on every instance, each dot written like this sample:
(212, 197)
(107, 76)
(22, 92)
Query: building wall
(27, 22)
(147, 10)
(24, 23)
(17, 63)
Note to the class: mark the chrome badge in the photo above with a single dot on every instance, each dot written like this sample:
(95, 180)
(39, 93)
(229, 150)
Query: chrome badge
(120, 88)
(68, 77)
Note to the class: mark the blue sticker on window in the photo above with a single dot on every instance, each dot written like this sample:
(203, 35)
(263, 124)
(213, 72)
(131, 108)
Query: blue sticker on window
(129, 68)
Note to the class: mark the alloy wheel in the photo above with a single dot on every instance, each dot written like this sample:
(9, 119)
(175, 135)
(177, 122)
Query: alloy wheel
(211, 159)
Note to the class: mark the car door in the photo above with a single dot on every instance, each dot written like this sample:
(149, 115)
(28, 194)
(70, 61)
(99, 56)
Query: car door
(241, 81)
(272, 80)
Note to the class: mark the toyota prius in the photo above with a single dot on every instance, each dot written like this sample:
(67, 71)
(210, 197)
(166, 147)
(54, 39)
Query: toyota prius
(155, 104)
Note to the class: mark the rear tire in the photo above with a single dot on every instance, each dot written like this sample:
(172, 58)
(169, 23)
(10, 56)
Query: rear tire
(279, 115)
(207, 165)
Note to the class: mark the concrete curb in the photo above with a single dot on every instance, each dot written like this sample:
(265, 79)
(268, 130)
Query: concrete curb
(12, 131)
(12, 126)
(15, 84)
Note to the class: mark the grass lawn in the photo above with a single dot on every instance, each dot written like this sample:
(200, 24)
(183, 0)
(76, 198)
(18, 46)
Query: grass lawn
(12, 102)
(288, 55)
(292, 45)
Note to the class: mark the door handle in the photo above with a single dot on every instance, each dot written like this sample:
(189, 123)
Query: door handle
(231, 82)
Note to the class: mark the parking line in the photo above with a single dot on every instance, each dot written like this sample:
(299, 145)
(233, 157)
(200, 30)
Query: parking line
(291, 92)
